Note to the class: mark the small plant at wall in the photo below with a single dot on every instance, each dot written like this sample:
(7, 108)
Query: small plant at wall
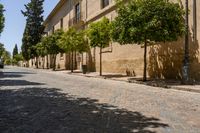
(99, 36)
(147, 21)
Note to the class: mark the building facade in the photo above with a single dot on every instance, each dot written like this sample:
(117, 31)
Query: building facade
(164, 60)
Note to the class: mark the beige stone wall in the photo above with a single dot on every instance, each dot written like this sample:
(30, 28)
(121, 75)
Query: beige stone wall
(164, 60)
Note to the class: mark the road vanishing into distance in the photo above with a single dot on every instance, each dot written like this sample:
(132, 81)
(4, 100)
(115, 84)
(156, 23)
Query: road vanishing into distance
(43, 101)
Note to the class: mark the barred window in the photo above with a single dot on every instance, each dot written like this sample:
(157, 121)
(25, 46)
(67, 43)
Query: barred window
(104, 3)
(77, 12)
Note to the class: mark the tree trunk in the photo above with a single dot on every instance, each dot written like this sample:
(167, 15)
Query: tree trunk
(43, 61)
(54, 62)
(145, 61)
(100, 61)
(66, 61)
(47, 62)
(75, 61)
(72, 62)
(36, 62)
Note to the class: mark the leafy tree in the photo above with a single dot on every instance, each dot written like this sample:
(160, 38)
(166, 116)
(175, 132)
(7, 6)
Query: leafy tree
(99, 36)
(41, 49)
(73, 41)
(147, 21)
(52, 45)
(25, 48)
(34, 29)
(15, 51)
(2, 49)
(2, 18)
(7, 57)
(17, 58)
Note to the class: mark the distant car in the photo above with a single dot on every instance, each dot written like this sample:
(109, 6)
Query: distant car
(1, 63)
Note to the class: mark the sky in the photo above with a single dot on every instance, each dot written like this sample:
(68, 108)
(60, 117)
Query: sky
(15, 21)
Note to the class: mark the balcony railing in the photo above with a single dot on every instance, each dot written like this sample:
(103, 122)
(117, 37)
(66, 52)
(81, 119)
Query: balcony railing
(76, 21)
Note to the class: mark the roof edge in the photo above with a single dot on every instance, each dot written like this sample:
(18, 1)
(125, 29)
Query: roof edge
(54, 11)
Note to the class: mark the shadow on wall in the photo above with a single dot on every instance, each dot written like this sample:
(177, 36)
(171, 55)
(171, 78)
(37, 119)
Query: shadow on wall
(45, 110)
(166, 60)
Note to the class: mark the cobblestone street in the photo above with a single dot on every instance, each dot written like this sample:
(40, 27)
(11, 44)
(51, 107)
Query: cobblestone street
(41, 101)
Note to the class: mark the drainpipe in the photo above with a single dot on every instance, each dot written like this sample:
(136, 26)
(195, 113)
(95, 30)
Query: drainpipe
(195, 20)
(186, 55)
(86, 10)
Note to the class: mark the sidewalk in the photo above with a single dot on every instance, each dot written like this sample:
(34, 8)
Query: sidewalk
(167, 84)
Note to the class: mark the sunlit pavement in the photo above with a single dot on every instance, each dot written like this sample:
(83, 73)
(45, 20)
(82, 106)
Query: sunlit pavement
(36, 101)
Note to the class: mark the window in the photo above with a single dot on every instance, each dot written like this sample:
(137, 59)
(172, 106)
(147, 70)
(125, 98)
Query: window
(77, 13)
(104, 3)
(61, 23)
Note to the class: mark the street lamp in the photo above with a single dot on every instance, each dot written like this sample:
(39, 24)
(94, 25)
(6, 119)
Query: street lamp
(186, 55)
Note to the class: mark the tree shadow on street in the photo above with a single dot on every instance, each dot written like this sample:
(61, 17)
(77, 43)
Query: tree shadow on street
(17, 83)
(13, 74)
(42, 110)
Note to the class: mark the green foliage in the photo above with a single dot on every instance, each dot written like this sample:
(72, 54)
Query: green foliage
(2, 49)
(152, 20)
(99, 33)
(73, 40)
(17, 58)
(41, 49)
(26, 45)
(34, 29)
(99, 36)
(53, 42)
(144, 21)
(53, 48)
(2, 18)
(15, 50)
(7, 57)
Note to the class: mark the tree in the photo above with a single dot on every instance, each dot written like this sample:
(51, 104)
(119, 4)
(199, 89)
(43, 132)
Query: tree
(146, 22)
(52, 45)
(34, 29)
(99, 36)
(2, 18)
(25, 48)
(7, 57)
(73, 41)
(2, 49)
(41, 49)
(17, 58)
(15, 51)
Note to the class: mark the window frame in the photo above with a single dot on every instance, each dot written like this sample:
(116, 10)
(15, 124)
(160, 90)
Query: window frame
(77, 16)
(104, 3)
(61, 23)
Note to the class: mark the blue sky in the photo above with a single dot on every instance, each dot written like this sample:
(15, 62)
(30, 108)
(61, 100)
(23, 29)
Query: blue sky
(15, 21)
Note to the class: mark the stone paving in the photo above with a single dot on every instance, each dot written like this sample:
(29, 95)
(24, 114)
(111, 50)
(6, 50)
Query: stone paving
(168, 84)
(36, 101)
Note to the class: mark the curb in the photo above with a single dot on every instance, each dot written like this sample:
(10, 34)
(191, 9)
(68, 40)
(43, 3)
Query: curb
(142, 83)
